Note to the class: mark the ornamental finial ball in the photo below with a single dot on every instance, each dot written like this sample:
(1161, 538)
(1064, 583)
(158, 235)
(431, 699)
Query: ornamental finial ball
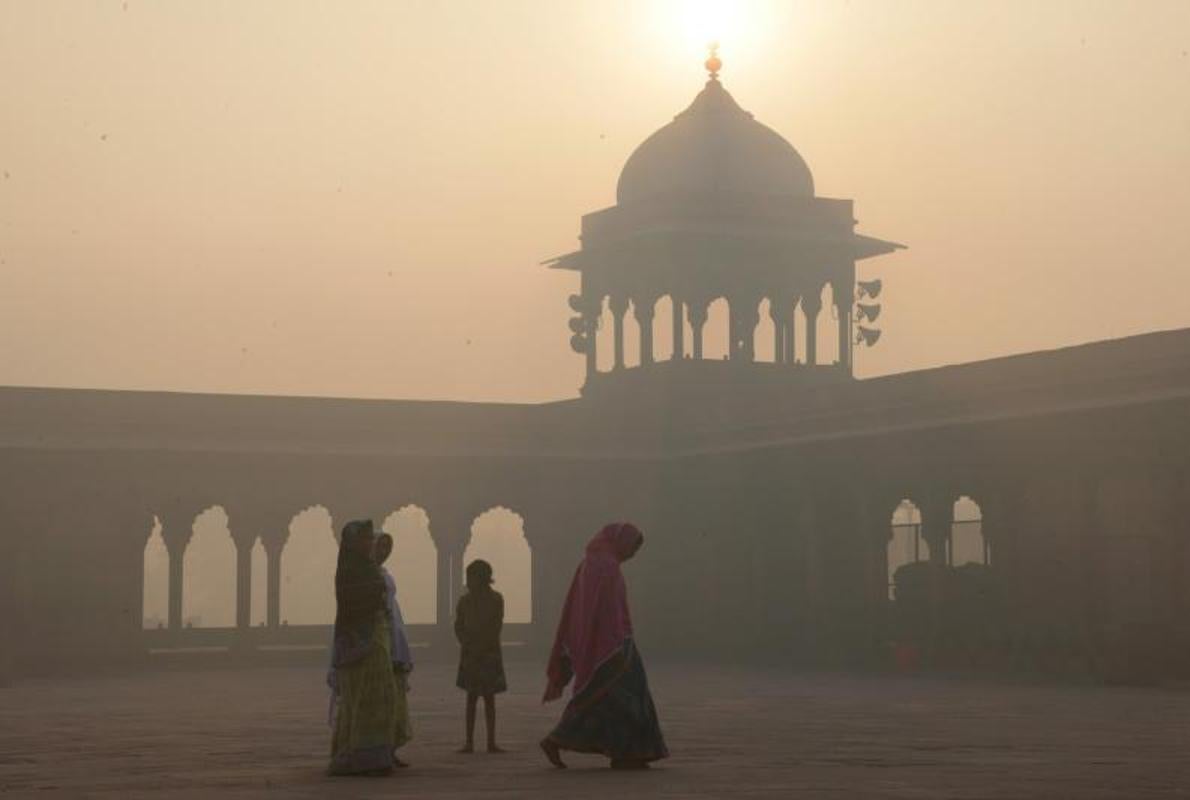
(713, 63)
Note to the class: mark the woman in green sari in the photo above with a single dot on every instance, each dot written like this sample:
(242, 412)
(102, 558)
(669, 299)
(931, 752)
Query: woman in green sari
(362, 660)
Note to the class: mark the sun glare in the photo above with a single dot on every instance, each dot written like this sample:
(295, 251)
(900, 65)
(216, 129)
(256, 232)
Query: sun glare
(690, 26)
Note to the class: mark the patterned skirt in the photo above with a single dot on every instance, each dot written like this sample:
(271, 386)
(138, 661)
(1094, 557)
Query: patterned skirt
(366, 724)
(614, 714)
(402, 725)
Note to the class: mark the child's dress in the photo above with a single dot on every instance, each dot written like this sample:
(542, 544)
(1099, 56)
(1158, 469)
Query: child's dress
(478, 620)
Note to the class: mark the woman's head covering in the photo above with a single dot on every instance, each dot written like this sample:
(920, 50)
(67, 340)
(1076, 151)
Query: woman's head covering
(479, 573)
(383, 547)
(619, 540)
(359, 594)
(354, 530)
(595, 620)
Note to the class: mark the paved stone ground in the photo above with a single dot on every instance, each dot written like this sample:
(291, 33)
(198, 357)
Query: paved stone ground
(741, 733)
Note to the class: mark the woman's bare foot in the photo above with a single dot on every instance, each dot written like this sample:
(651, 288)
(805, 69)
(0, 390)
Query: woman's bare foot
(552, 753)
(465, 749)
(398, 763)
(492, 748)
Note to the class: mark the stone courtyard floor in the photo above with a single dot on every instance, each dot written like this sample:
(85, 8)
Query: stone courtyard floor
(740, 733)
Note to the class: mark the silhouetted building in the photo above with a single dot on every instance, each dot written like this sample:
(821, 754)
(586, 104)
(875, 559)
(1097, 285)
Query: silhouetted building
(766, 490)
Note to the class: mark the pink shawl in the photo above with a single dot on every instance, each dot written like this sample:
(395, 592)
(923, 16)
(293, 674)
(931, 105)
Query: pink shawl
(595, 620)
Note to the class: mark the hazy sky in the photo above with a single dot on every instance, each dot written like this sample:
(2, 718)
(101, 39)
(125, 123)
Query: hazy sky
(352, 198)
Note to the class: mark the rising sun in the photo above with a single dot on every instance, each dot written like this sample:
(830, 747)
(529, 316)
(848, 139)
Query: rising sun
(691, 26)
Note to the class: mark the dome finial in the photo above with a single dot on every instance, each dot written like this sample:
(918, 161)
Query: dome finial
(713, 63)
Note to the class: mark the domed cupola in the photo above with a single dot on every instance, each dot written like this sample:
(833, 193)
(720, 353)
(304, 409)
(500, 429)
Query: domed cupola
(713, 149)
(716, 206)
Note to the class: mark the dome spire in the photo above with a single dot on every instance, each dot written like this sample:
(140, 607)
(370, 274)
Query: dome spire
(713, 62)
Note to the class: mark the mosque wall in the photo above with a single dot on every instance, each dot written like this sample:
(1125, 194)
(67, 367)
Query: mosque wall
(759, 548)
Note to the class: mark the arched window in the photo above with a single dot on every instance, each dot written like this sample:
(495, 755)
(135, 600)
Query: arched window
(967, 544)
(906, 545)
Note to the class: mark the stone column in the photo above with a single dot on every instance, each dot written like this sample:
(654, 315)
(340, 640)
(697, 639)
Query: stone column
(842, 292)
(811, 306)
(679, 328)
(643, 311)
(592, 353)
(176, 530)
(791, 331)
(244, 545)
(749, 318)
(451, 530)
(844, 335)
(619, 307)
(274, 543)
(698, 320)
(937, 519)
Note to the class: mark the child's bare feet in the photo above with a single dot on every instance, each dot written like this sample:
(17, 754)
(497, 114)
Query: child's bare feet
(552, 753)
(467, 748)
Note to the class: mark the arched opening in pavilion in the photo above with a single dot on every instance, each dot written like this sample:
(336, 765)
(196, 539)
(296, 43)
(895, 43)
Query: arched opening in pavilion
(413, 564)
(764, 345)
(209, 573)
(716, 333)
(663, 324)
(906, 545)
(308, 569)
(631, 337)
(605, 338)
(155, 594)
(828, 328)
(498, 537)
(798, 356)
(967, 543)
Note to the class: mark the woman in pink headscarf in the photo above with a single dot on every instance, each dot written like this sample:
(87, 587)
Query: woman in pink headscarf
(611, 711)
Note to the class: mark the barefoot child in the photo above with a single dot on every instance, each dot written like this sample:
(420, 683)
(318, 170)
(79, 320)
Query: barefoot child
(478, 620)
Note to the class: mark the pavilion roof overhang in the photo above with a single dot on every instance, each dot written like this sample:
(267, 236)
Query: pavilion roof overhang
(858, 246)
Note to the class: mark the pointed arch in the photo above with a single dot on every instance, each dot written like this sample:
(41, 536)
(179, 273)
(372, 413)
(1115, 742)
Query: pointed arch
(155, 589)
(605, 337)
(716, 334)
(764, 345)
(209, 573)
(413, 564)
(828, 328)
(663, 338)
(967, 543)
(308, 569)
(906, 545)
(631, 337)
(798, 355)
(498, 536)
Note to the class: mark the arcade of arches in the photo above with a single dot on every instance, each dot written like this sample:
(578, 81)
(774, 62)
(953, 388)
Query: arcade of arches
(307, 567)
